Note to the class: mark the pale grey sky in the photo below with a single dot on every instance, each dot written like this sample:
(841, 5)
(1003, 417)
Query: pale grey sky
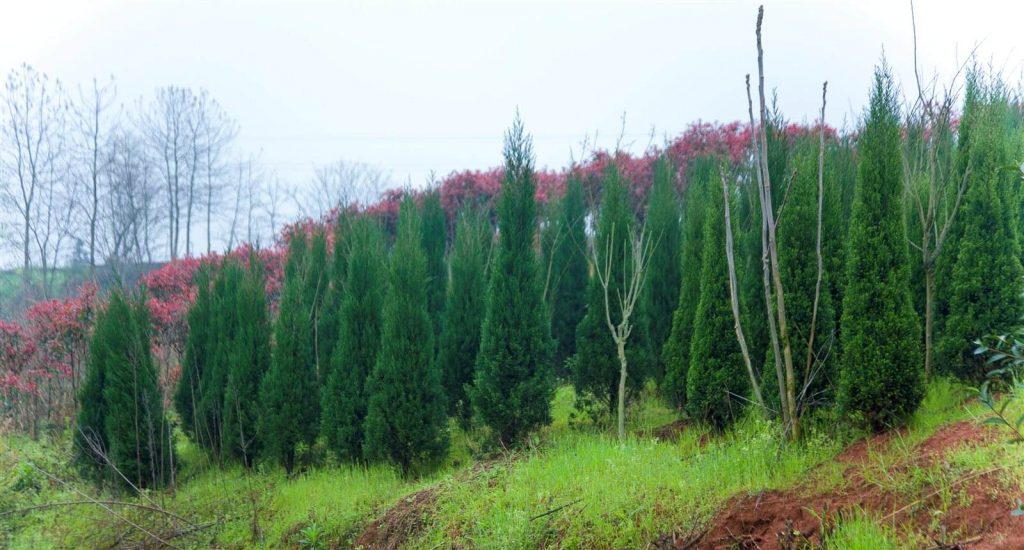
(415, 87)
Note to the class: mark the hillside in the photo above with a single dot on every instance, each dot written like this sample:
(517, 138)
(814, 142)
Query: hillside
(944, 480)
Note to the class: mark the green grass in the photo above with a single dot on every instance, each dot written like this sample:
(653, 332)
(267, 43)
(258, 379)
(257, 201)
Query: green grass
(576, 486)
(863, 532)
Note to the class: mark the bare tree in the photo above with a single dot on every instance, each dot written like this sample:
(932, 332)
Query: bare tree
(166, 125)
(129, 210)
(272, 198)
(218, 131)
(247, 185)
(934, 188)
(770, 254)
(91, 132)
(809, 362)
(639, 258)
(339, 184)
(33, 130)
(734, 292)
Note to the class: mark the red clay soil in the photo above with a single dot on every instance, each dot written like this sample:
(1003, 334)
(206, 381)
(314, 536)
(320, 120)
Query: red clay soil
(793, 518)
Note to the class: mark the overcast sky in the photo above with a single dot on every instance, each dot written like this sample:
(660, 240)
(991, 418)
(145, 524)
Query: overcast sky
(421, 87)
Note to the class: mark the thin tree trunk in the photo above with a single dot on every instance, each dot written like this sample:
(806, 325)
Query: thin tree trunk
(929, 317)
(780, 297)
(821, 267)
(734, 297)
(765, 269)
(621, 345)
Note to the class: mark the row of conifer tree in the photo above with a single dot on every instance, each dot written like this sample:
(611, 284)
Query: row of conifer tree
(380, 338)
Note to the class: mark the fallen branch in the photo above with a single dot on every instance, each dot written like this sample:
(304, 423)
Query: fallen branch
(98, 503)
(556, 509)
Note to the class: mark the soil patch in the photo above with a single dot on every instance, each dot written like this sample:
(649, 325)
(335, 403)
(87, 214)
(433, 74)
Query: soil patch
(792, 519)
(401, 522)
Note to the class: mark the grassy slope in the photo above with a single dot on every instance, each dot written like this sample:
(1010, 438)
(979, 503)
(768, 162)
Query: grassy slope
(618, 494)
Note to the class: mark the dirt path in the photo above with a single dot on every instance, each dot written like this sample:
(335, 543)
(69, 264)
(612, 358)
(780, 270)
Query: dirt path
(793, 518)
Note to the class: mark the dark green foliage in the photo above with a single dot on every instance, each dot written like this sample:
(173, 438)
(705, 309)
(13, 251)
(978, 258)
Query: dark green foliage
(248, 361)
(986, 284)
(464, 309)
(567, 280)
(316, 282)
(328, 329)
(405, 419)
(187, 395)
(90, 436)
(595, 371)
(717, 382)
(514, 383)
(947, 260)
(121, 424)
(344, 399)
(435, 231)
(289, 394)
(882, 375)
(676, 350)
(797, 243)
(221, 348)
(664, 276)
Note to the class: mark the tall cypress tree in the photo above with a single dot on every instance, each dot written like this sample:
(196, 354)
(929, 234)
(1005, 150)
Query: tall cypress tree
(986, 285)
(248, 362)
(716, 383)
(464, 309)
(344, 397)
(882, 374)
(198, 351)
(137, 430)
(316, 283)
(225, 324)
(664, 276)
(676, 350)
(91, 443)
(405, 419)
(435, 232)
(514, 382)
(329, 329)
(567, 284)
(595, 372)
(289, 396)
(797, 243)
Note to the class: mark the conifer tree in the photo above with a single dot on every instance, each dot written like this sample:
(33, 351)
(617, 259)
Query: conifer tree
(717, 384)
(464, 309)
(405, 419)
(567, 282)
(514, 382)
(664, 277)
(595, 372)
(986, 285)
(187, 394)
(329, 329)
(882, 375)
(676, 350)
(344, 397)
(797, 236)
(90, 437)
(316, 283)
(122, 422)
(289, 396)
(435, 231)
(248, 362)
(225, 322)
